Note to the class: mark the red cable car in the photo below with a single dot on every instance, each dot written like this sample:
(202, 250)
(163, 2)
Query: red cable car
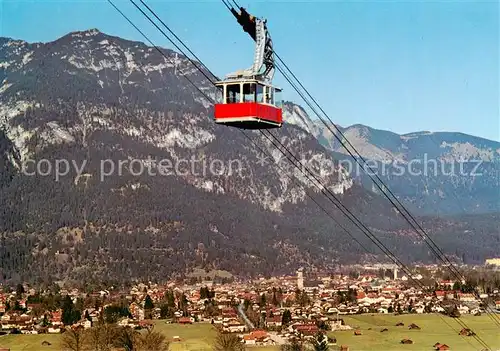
(249, 100)
(249, 104)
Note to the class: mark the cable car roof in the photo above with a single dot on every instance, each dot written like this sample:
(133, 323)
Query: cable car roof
(246, 80)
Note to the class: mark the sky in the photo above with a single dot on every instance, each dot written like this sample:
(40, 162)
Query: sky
(391, 65)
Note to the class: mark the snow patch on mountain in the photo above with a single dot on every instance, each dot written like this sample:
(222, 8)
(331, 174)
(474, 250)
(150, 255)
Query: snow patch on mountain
(195, 138)
(58, 134)
(19, 137)
(296, 115)
(467, 151)
(12, 109)
(27, 57)
(4, 87)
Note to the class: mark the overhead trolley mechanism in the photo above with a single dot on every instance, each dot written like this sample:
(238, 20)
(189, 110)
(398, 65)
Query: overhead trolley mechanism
(249, 100)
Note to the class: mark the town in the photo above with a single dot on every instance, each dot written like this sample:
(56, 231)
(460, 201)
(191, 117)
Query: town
(264, 311)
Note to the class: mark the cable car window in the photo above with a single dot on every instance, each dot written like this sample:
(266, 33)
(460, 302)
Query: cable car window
(270, 95)
(232, 93)
(259, 94)
(249, 92)
(278, 99)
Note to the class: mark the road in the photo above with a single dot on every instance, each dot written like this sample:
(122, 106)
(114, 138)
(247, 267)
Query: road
(248, 323)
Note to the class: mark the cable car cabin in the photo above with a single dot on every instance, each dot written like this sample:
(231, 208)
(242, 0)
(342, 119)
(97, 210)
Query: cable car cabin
(249, 104)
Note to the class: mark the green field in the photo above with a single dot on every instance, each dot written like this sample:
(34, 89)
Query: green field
(30, 342)
(198, 336)
(433, 329)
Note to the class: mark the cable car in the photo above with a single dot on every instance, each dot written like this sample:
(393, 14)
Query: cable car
(249, 100)
(249, 104)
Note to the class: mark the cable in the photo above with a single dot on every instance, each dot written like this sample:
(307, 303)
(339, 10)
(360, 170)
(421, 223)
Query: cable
(226, 4)
(374, 240)
(405, 213)
(159, 50)
(176, 37)
(171, 41)
(401, 209)
(434, 248)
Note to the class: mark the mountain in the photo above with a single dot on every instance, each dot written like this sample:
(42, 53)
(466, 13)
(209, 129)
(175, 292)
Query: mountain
(442, 173)
(115, 170)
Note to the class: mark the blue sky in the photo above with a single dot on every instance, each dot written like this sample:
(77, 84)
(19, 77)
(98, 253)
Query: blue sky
(400, 66)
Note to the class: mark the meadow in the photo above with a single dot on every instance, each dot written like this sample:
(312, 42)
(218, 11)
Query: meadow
(433, 329)
(201, 336)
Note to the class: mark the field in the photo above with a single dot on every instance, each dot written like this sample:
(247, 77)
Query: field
(31, 342)
(433, 329)
(193, 337)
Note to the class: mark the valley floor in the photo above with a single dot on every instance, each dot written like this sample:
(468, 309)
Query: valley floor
(433, 329)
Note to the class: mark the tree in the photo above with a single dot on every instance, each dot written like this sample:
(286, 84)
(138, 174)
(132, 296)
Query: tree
(74, 339)
(294, 345)
(275, 297)
(302, 298)
(262, 301)
(246, 304)
(152, 341)
(166, 311)
(410, 306)
(204, 293)
(17, 306)
(148, 307)
(45, 321)
(454, 312)
(286, 318)
(69, 314)
(148, 303)
(228, 342)
(320, 342)
(19, 290)
(102, 337)
(113, 313)
(322, 325)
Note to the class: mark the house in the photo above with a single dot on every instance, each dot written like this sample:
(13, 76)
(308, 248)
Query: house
(413, 326)
(54, 330)
(249, 339)
(274, 321)
(344, 348)
(466, 297)
(234, 326)
(466, 332)
(55, 318)
(137, 311)
(185, 320)
(256, 336)
(146, 323)
(304, 328)
(384, 330)
(357, 332)
(407, 341)
(400, 324)
(441, 347)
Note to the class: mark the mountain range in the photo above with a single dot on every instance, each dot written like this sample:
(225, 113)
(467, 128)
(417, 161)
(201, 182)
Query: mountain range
(121, 124)
(442, 173)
